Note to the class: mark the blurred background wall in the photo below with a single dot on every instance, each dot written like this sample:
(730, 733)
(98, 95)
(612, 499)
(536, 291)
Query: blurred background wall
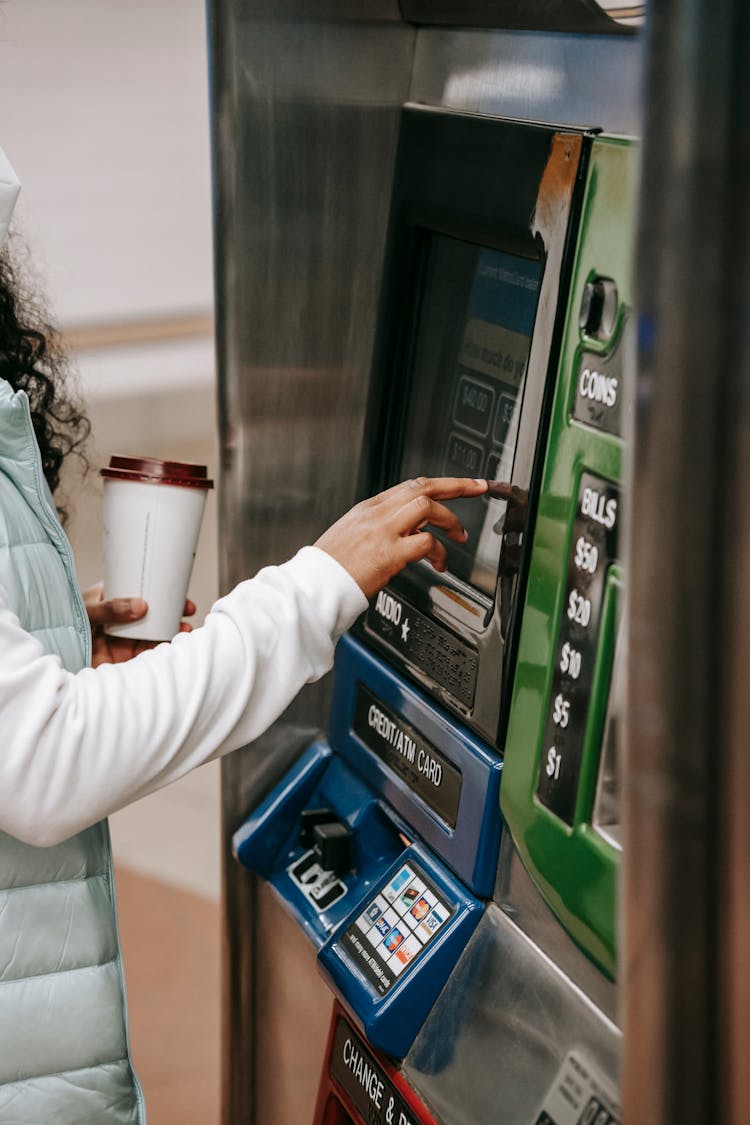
(104, 114)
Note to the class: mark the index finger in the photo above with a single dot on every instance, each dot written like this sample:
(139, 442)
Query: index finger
(437, 488)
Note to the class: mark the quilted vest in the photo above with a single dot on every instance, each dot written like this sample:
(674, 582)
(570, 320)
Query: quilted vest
(64, 1055)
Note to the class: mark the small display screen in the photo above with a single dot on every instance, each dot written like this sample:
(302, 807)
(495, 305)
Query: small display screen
(395, 927)
(470, 355)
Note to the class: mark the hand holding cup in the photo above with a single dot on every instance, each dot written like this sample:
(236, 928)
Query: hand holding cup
(106, 649)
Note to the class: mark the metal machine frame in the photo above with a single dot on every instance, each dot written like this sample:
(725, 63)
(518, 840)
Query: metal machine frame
(306, 105)
(306, 109)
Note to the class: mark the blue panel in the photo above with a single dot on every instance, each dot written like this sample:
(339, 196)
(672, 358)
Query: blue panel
(470, 845)
(391, 940)
(391, 1019)
(267, 830)
(268, 843)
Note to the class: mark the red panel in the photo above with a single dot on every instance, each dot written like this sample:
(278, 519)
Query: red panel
(334, 1105)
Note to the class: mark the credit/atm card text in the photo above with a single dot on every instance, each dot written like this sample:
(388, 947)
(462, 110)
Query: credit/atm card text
(425, 770)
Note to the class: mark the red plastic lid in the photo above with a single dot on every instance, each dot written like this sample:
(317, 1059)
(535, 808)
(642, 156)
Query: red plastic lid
(152, 470)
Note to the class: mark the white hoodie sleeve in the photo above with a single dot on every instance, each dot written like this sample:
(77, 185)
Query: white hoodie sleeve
(75, 748)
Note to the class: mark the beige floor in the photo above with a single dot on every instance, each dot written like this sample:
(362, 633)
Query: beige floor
(170, 941)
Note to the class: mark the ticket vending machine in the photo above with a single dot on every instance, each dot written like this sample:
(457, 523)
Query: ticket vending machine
(475, 268)
(442, 828)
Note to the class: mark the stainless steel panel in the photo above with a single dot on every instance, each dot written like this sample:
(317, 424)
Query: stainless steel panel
(294, 1006)
(556, 79)
(500, 1030)
(306, 127)
(520, 899)
(305, 114)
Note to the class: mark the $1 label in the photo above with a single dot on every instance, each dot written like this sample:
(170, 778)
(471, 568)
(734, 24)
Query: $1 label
(554, 759)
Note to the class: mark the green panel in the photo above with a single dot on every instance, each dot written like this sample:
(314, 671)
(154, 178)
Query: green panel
(575, 868)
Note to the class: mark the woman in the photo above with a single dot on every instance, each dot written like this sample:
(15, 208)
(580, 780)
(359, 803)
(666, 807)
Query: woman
(78, 742)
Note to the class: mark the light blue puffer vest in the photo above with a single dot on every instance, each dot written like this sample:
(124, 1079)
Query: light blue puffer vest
(64, 1056)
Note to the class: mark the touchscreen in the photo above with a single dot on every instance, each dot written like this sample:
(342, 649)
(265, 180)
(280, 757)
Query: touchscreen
(470, 354)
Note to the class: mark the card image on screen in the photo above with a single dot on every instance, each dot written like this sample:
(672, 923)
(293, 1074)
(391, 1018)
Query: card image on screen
(383, 940)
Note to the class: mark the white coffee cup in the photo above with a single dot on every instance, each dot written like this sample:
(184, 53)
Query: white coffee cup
(152, 517)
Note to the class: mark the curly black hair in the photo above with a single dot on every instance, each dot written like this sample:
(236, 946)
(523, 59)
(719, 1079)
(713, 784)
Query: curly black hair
(32, 359)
